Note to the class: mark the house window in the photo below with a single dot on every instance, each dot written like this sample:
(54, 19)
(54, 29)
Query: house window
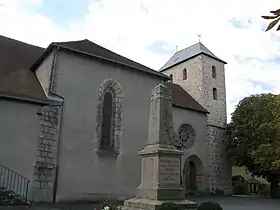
(171, 77)
(214, 72)
(106, 129)
(185, 74)
(215, 96)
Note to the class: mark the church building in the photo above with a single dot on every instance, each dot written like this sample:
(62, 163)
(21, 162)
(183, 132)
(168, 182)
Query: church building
(75, 115)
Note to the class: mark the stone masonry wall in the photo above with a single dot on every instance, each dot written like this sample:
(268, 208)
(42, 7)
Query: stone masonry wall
(194, 82)
(218, 167)
(217, 108)
(45, 165)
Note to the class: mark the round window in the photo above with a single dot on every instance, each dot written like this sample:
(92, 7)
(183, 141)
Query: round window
(186, 136)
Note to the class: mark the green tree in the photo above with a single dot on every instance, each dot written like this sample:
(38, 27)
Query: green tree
(254, 137)
(275, 19)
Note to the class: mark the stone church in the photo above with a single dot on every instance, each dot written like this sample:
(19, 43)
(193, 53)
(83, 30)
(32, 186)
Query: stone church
(75, 115)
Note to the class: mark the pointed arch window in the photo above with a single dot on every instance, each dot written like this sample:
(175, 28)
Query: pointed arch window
(106, 128)
(185, 75)
(215, 94)
(214, 72)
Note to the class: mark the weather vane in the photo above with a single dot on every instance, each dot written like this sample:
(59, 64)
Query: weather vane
(199, 37)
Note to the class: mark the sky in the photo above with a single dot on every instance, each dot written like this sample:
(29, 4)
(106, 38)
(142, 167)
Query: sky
(148, 31)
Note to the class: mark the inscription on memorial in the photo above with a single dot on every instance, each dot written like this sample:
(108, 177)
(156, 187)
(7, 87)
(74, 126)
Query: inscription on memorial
(169, 170)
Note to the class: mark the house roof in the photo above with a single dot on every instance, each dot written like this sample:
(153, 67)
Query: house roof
(181, 99)
(15, 80)
(89, 48)
(189, 53)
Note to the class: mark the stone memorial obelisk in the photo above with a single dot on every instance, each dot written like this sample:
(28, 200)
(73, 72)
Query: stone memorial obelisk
(160, 174)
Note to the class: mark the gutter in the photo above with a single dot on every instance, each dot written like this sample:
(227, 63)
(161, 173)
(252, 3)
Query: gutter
(29, 100)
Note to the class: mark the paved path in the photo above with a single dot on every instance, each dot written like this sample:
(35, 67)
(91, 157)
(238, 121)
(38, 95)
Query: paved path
(227, 203)
(241, 203)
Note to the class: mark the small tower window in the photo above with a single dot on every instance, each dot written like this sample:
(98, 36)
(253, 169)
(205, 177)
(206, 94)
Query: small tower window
(171, 77)
(185, 76)
(215, 96)
(214, 72)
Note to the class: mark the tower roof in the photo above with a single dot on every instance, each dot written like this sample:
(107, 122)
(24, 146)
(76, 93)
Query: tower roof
(189, 53)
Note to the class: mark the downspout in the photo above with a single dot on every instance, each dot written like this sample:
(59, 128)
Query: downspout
(58, 148)
(60, 103)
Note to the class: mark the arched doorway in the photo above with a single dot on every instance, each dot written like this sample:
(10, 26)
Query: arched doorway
(193, 174)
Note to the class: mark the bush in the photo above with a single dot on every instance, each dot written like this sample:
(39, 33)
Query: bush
(240, 189)
(169, 206)
(210, 205)
(264, 190)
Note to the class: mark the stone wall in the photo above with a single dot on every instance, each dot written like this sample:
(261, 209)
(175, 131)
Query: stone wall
(200, 83)
(46, 161)
(219, 169)
(194, 82)
(217, 108)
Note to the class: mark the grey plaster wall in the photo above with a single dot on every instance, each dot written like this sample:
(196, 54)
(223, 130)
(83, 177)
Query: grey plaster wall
(198, 121)
(43, 72)
(83, 174)
(19, 131)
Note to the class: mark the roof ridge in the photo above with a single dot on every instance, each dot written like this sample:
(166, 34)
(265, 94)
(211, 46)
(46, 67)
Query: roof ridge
(92, 49)
(91, 42)
(67, 42)
(14, 40)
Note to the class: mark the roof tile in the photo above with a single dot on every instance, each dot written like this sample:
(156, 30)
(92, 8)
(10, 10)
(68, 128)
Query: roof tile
(182, 99)
(15, 79)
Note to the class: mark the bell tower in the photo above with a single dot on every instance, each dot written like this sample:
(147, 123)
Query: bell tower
(202, 75)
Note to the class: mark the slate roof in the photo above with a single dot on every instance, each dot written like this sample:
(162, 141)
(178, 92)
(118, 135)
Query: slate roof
(182, 99)
(15, 80)
(189, 53)
(89, 48)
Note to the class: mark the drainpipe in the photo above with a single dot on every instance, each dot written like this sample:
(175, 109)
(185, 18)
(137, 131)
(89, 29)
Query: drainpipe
(58, 101)
(58, 147)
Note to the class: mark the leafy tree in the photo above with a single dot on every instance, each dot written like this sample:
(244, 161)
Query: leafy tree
(275, 17)
(254, 137)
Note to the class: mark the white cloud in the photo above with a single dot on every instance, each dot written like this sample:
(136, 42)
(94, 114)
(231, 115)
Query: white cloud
(129, 27)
